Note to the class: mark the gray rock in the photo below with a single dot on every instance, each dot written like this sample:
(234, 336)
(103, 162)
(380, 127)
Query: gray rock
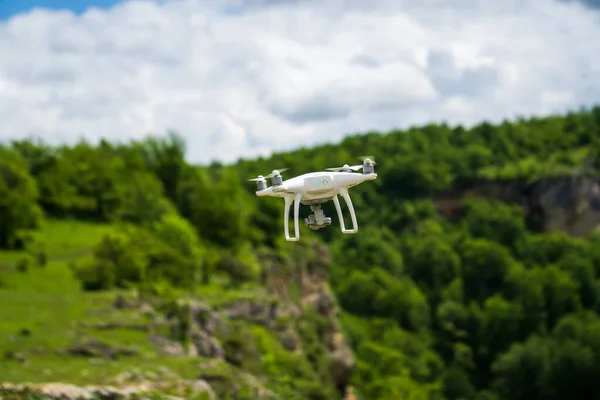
(258, 311)
(322, 301)
(342, 365)
(166, 346)
(214, 324)
(91, 347)
(289, 339)
(201, 386)
(206, 345)
(62, 391)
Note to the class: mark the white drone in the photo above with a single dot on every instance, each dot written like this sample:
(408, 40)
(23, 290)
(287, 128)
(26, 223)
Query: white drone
(314, 189)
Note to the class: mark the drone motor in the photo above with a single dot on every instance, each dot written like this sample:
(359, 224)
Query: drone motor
(368, 166)
(261, 184)
(276, 180)
(368, 169)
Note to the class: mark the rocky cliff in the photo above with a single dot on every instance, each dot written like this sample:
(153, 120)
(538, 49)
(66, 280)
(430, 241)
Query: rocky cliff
(568, 203)
(252, 344)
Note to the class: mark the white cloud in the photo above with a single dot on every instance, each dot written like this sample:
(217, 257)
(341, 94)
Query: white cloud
(285, 74)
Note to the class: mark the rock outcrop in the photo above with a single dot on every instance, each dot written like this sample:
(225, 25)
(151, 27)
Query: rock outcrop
(568, 203)
(311, 274)
(63, 391)
(141, 390)
(571, 204)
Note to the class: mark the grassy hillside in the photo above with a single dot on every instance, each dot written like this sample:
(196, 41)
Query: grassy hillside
(44, 311)
(52, 331)
(123, 258)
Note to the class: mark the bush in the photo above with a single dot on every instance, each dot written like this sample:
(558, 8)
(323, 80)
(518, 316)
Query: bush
(42, 258)
(24, 263)
(116, 263)
(133, 256)
(95, 275)
(240, 270)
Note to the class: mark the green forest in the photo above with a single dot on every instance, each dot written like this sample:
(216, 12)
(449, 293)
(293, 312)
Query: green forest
(466, 298)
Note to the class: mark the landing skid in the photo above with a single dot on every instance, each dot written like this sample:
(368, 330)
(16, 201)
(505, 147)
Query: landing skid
(318, 217)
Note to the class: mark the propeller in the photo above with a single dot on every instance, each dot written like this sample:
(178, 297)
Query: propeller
(276, 172)
(345, 167)
(259, 178)
(368, 159)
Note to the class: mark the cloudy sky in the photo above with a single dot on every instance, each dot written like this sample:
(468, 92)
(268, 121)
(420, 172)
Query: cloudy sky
(239, 78)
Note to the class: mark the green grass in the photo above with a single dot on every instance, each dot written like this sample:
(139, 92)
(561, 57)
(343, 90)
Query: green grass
(214, 294)
(47, 304)
(50, 318)
(62, 240)
(47, 299)
(82, 371)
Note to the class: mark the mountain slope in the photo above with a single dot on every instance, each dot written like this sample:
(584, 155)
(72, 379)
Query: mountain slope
(458, 284)
(465, 269)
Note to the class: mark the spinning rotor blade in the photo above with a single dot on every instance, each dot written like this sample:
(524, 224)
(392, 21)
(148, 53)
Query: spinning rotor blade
(272, 174)
(352, 167)
(276, 172)
(370, 159)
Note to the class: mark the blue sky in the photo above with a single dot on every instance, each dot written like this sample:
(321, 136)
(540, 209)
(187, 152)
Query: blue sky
(9, 8)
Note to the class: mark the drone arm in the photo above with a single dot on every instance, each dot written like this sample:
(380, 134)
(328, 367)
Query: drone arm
(336, 201)
(286, 217)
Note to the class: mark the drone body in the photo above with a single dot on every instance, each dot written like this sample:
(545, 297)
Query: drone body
(314, 189)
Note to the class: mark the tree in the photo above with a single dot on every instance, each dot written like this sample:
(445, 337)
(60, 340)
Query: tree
(494, 220)
(560, 293)
(376, 248)
(432, 263)
(485, 266)
(19, 210)
(550, 247)
(166, 158)
(216, 207)
(519, 373)
(143, 200)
